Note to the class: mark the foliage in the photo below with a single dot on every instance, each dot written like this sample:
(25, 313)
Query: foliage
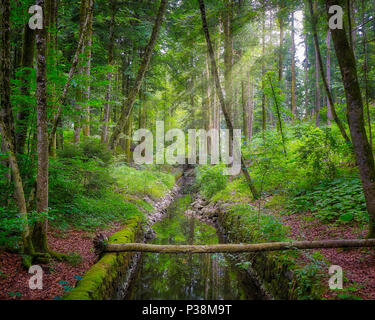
(148, 181)
(310, 276)
(339, 200)
(10, 227)
(211, 179)
(87, 195)
(258, 226)
(89, 148)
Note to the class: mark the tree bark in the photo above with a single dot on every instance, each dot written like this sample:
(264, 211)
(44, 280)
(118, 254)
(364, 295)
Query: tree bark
(7, 124)
(219, 91)
(40, 227)
(306, 84)
(365, 72)
(251, 107)
(228, 55)
(107, 106)
(238, 248)
(88, 46)
(328, 63)
(264, 113)
(81, 97)
(27, 61)
(362, 148)
(62, 100)
(129, 102)
(245, 116)
(281, 39)
(321, 68)
(293, 70)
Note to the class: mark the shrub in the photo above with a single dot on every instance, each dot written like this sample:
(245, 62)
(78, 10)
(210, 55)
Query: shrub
(340, 200)
(211, 179)
(89, 148)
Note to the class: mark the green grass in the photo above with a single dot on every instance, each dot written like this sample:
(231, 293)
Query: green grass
(143, 182)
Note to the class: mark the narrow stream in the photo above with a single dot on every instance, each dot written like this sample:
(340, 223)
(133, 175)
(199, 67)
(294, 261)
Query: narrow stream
(188, 276)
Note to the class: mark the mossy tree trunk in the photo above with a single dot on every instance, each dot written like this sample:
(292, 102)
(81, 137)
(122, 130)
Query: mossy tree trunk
(7, 124)
(320, 68)
(362, 148)
(40, 227)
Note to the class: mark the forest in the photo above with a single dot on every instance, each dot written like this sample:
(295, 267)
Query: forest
(187, 149)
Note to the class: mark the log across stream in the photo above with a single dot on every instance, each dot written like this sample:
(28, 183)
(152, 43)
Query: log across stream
(189, 276)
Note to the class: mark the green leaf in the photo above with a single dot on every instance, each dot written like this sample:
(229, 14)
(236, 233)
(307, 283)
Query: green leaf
(346, 217)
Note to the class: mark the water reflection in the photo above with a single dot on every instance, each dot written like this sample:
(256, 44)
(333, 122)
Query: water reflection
(186, 276)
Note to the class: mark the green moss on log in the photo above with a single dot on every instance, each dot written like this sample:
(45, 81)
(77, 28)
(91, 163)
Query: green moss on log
(102, 279)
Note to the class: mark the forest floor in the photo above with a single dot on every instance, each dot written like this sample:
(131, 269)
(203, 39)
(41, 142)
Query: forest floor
(59, 277)
(358, 264)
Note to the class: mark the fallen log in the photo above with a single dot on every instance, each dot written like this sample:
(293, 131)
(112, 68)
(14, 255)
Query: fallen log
(238, 248)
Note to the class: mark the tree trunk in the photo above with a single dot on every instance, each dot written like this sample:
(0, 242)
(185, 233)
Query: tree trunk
(27, 61)
(281, 24)
(365, 72)
(220, 94)
(7, 124)
(107, 107)
(84, 15)
(293, 70)
(87, 94)
(306, 71)
(329, 110)
(51, 13)
(320, 67)
(264, 113)
(362, 148)
(129, 103)
(40, 227)
(62, 100)
(244, 111)
(251, 107)
(238, 248)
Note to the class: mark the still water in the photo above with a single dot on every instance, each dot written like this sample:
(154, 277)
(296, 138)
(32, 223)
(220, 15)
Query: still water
(187, 276)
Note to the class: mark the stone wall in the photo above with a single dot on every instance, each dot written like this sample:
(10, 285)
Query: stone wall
(103, 279)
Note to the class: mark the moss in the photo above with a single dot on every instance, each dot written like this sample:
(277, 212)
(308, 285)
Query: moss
(279, 271)
(101, 280)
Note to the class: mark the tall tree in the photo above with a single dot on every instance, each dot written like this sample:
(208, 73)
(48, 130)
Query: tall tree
(228, 55)
(320, 67)
(27, 61)
(362, 148)
(280, 18)
(293, 70)
(129, 102)
(88, 46)
(264, 113)
(329, 108)
(366, 70)
(220, 94)
(40, 227)
(111, 44)
(7, 125)
(250, 107)
(245, 117)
